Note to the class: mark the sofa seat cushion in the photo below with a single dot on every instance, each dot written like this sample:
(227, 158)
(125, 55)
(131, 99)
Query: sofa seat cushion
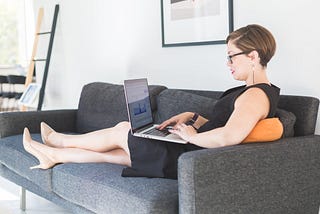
(14, 157)
(100, 188)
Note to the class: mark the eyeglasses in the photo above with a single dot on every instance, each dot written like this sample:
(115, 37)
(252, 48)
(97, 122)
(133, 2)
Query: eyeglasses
(229, 58)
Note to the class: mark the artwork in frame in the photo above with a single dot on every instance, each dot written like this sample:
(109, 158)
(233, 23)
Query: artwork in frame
(195, 22)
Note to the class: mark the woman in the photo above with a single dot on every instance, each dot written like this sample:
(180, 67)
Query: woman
(236, 113)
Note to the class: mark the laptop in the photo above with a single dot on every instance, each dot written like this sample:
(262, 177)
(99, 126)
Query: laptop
(140, 114)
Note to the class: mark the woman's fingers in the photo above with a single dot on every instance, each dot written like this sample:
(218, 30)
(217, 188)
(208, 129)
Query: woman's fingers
(184, 131)
(165, 124)
(173, 121)
(180, 126)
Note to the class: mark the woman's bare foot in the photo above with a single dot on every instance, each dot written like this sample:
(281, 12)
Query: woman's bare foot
(29, 146)
(49, 136)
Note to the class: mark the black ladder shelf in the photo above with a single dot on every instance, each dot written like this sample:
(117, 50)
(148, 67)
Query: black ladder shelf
(47, 60)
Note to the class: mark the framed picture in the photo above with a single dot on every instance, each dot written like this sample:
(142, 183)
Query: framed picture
(30, 95)
(195, 22)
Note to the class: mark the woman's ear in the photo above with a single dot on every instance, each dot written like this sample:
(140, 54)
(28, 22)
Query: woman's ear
(254, 55)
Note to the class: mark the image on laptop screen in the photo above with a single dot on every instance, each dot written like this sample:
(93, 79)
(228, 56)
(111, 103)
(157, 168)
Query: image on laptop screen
(139, 103)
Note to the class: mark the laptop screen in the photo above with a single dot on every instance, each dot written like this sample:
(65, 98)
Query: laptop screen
(138, 103)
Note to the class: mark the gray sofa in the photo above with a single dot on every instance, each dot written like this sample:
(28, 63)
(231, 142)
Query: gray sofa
(274, 177)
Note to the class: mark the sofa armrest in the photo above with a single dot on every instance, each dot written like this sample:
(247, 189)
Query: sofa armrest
(13, 123)
(278, 177)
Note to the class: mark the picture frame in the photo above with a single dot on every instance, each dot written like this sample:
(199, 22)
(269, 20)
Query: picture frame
(195, 22)
(30, 95)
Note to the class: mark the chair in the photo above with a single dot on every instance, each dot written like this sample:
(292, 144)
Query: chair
(16, 91)
(3, 80)
(4, 93)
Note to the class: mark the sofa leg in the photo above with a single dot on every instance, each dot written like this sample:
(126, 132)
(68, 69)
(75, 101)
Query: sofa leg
(23, 199)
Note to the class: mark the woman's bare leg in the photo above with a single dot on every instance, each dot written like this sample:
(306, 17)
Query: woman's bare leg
(99, 141)
(49, 156)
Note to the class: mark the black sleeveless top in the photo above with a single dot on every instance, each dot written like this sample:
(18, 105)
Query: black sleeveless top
(225, 105)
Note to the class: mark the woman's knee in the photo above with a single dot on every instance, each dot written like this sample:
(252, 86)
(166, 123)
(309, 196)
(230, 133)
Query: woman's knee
(121, 134)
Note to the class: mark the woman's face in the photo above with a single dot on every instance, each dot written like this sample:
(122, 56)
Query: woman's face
(239, 64)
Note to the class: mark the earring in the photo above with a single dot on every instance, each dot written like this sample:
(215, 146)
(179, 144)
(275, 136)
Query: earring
(252, 73)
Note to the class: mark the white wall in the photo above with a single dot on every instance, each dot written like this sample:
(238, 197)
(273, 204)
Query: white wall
(112, 40)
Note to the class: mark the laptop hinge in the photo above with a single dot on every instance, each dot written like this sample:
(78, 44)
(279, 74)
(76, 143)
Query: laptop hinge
(144, 128)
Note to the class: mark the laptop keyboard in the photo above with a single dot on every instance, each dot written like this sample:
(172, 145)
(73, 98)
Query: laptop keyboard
(158, 132)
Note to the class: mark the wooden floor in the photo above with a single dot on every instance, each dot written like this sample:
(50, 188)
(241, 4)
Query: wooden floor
(10, 204)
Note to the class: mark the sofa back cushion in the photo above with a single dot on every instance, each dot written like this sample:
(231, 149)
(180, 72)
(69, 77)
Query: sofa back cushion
(103, 105)
(297, 113)
(305, 110)
(173, 101)
(288, 120)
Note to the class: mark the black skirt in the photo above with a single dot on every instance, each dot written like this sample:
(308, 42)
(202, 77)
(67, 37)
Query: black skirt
(154, 158)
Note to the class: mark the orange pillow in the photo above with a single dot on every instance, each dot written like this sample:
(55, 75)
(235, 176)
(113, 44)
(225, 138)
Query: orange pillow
(269, 129)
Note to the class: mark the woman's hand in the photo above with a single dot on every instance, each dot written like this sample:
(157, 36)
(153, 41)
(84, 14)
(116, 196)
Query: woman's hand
(184, 131)
(176, 120)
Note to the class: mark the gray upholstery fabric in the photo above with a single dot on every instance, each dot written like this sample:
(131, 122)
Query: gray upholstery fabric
(33, 187)
(171, 102)
(14, 157)
(210, 94)
(100, 188)
(13, 123)
(305, 109)
(103, 105)
(288, 120)
(273, 178)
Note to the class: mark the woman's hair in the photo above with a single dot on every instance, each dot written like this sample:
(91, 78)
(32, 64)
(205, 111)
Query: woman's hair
(254, 37)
